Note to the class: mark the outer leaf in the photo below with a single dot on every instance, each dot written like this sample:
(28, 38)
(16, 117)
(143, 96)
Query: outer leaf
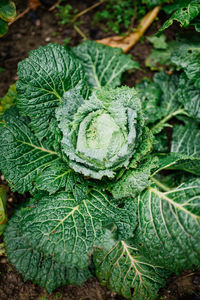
(34, 265)
(169, 226)
(186, 140)
(3, 27)
(134, 181)
(159, 98)
(189, 96)
(44, 77)
(126, 272)
(7, 10)
(103, 65)
(22, 156)
(150, 95)
(58, 176)
(59, 226)
(168, 86)
(187, 56)
(184, 14)
(178, 161)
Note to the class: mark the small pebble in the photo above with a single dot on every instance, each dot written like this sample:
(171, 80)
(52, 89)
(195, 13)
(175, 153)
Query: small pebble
(37, 23)
(47, 39)
(3, 260)
(18, 35)
(10, 199)
(2, 177)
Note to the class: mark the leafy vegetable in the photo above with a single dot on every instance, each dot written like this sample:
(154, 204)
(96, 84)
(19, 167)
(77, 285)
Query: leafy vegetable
(122, 269)
(184, 11)
(111, 194)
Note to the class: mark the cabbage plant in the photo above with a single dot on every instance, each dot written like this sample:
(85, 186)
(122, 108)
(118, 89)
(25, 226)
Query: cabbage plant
(92, 154)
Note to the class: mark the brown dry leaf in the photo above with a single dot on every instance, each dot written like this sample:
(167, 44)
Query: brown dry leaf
(127, 42)
(33, 4)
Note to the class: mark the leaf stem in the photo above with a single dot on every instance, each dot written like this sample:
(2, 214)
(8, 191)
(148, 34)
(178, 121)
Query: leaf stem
(80, 32)
(155, 128)
(160, 184)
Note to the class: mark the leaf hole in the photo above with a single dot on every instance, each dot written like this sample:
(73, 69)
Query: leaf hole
(140, 244)
(190, 51)
(121, 205)
(184, 9)
(132, 291)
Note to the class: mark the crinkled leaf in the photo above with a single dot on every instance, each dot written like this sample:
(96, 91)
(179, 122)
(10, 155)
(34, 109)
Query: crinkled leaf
(186, 55)
(134, 181)
(22, 156)
(59, 226)
(34, 265)
(168, 85)
(44, 77)
(123, 270)
(59, 176)
(161, 142)
(189, 96)
(103, 65)
(186, 139)
(7, 10)
(150, 95)
(178, 161)
(159, 98)
(168, 230)
(185, 12)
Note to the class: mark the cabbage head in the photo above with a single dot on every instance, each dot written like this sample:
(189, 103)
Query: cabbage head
(101, 135)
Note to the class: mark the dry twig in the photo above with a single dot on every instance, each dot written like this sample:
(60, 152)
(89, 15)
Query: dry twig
(86, 10)
(32, 4)
(54, 6)
(20, 15)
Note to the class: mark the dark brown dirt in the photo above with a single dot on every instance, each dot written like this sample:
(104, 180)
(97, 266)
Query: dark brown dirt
(22, 37)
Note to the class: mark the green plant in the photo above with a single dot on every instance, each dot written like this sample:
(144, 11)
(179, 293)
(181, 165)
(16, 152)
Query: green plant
(9, 99)
(65, 13)
(92, 155)
(3, 216)
(114, 16)
(183, 12)
(7, 14)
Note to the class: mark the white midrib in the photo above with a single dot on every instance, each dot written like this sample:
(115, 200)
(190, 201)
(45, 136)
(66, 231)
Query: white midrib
(65, 218)
(39, 148)
(131, 260)
(177, 205)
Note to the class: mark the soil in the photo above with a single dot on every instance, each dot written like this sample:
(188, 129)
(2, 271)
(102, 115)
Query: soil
(23, 36)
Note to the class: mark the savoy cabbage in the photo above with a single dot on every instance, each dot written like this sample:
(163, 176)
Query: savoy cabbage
(92, 156)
